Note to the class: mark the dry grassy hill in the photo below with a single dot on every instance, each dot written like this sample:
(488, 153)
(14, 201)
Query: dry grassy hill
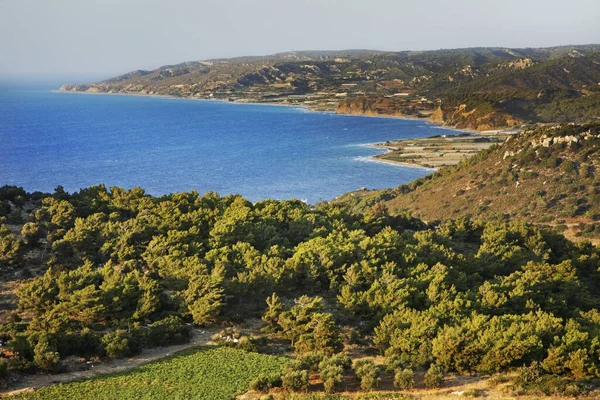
(546, 175)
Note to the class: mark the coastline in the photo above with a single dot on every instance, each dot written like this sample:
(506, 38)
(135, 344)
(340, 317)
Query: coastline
(306, 108)
(376, 158)
(271, 103)
(166, 96)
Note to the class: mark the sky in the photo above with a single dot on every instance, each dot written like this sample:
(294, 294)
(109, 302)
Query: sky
(103, 38)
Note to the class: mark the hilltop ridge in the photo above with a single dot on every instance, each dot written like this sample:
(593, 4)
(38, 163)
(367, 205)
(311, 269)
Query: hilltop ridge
(476, 88)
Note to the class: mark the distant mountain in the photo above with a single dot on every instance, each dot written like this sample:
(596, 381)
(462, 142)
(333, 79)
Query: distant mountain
(546, 176)
(477, 88)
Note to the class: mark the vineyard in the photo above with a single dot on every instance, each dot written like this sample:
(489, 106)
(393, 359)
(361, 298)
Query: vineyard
(200, 373)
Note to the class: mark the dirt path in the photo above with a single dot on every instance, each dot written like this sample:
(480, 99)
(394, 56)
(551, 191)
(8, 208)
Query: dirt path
(29, 382)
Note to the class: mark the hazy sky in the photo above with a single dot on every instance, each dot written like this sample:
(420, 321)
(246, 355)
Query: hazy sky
(107, 37)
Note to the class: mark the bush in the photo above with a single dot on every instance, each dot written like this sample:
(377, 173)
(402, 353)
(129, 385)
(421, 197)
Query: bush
(530, 373)
(23, 366)
(167, 331)
(473, 393)
(247, 344)
(32, 233)
(119, 344)
(368, 373)
(310, 361)
(85, 343)
(404, 379)
(295, 380)
(21, 347)
(434, 377)
(332, 376)
(340, 360)
(45, 355)
(265, 382)
(395, 362)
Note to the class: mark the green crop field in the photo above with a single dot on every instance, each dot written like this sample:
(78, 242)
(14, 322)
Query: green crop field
(199, 373)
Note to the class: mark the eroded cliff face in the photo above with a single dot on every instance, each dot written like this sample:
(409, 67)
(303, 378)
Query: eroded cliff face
(479, 118)
(366, 107)
(386, 106)
(462, 117)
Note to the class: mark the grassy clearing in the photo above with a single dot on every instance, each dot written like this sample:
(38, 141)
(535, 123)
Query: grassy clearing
(199, 373)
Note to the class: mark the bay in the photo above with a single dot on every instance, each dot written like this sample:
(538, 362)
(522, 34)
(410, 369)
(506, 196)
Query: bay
(167, 145)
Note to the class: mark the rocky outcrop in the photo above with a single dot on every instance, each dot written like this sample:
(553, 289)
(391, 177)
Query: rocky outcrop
(569, 140)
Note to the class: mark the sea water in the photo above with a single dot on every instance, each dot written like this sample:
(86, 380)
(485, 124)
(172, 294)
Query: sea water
(167, 145)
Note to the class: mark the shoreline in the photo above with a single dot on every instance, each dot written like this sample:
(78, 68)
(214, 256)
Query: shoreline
(272, 103)
(167, 96)
(376, 158)
(306, 108)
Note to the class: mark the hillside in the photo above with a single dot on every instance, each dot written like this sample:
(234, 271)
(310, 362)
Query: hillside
(545, 175)
(103, 274)
(479, 88)
(366, 300)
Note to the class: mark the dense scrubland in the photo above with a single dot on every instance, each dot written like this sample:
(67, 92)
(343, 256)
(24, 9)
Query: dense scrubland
(104, 272)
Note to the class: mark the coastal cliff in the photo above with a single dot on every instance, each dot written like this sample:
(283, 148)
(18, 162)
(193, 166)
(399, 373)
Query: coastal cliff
(476, 118)
(459, 117)
(385, 106)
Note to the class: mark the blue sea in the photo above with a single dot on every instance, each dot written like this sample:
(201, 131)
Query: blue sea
(169, 145)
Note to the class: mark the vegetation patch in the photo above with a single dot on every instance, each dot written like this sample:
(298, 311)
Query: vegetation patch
(201, 373)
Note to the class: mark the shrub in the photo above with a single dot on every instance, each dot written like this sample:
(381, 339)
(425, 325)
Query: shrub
(295, 380)
(21, 347)
(394, 362)
(340, 360)
(404, 379)
(85, 343)
(561, 228)
(332, 376)
(368, 373)
(434, 377)
(247, 344)
(473, 393)
(265, 382)
(168, 331)
(119, 344)
(45, 355)
(32, 233)
(531, 373)
(310, 361)
(23, 366)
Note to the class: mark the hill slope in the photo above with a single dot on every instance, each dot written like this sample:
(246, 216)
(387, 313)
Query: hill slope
(546, 175)
(479, 88)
